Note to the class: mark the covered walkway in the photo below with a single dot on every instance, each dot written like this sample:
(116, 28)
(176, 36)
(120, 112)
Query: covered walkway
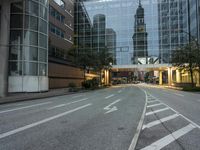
(174, 75)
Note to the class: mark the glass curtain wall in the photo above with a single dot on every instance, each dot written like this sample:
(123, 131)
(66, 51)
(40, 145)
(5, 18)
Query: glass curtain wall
(28, 38)
(142, 31)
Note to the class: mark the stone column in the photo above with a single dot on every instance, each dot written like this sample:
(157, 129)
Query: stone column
(178, 76)
(198, 78)
(160, 78)
(169, 76)
(4, 49)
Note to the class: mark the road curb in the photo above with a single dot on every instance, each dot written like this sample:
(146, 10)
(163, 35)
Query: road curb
(8, 100)
(139, 127)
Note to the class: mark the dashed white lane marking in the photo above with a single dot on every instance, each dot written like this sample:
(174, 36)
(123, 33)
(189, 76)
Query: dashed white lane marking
(77, 96)
(154, 105)
(25, 107)
(3, 135)
(152, 101)
(156, 111)
(169, 138)
(157, 122)
(119, 91)
(62, 105)
(109, 96)
(179, 94)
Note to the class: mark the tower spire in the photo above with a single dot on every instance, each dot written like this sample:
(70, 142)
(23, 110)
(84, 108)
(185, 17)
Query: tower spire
(140, 3)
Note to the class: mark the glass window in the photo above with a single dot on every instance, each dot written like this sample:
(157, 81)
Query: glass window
(15, 37)
(43, 12)
(31, 22)
(42, 55)
(43, 26)
(42, 69)
(52, 11)
(62, 34)
(62, 19)
(30, 68)
(17, 7)
(60, 3)
(30, 38)
(44, 2)
(43, 40)
(15, 68)
(32, 7)
(30, 53)
(15, 52)
(16, 21)
(58, 16)
(58, 32)
(52, 28)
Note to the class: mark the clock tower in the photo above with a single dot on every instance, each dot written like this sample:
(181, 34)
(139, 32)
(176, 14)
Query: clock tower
(140, 55)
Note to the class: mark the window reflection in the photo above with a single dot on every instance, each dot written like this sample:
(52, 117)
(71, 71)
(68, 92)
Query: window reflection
(29, 38)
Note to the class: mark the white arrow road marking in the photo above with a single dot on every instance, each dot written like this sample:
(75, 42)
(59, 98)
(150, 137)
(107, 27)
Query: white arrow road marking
(109, 96)
(114, 108)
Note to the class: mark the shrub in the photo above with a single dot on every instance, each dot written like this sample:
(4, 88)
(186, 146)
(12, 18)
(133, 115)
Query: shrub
(90, 84)
(72, 87)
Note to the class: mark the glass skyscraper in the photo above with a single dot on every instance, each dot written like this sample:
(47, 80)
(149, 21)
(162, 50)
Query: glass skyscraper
(28, 46)
(145, 32)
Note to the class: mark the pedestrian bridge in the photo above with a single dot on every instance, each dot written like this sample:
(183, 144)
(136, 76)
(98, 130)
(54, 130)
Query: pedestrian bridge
(144, 67)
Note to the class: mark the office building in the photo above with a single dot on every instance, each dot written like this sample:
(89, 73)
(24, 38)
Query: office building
(62, 70)
(24, 46)
(35, 36)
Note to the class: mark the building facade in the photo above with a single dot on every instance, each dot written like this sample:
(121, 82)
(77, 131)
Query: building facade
(24, 45)
(62, 71)
(35, 36)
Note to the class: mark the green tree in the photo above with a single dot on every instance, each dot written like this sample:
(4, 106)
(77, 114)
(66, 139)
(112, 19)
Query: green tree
(91, 59)
(184, 58)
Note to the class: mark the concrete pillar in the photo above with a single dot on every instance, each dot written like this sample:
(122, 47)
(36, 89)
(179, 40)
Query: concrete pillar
(178, 76)
(4, 48)
(160, 78)
(198, 78)
(169, 76)
(106, 77)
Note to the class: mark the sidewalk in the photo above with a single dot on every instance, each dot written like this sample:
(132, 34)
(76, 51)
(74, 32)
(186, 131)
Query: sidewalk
(31, 96)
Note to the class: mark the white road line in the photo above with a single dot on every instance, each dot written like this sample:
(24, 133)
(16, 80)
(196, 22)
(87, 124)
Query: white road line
(179, 94)
(109, 96)
(25, 107)
(195, 124)
(169, 138)
(62, 105)
(149, 106)
(3, 135)
(157, 122)
(152, 101)
(119, 91)
(156, 111)
(77, 96)
(57, 106)
(139, 127)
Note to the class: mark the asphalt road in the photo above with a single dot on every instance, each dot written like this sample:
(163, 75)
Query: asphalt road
(98, 120)
(172, 120)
